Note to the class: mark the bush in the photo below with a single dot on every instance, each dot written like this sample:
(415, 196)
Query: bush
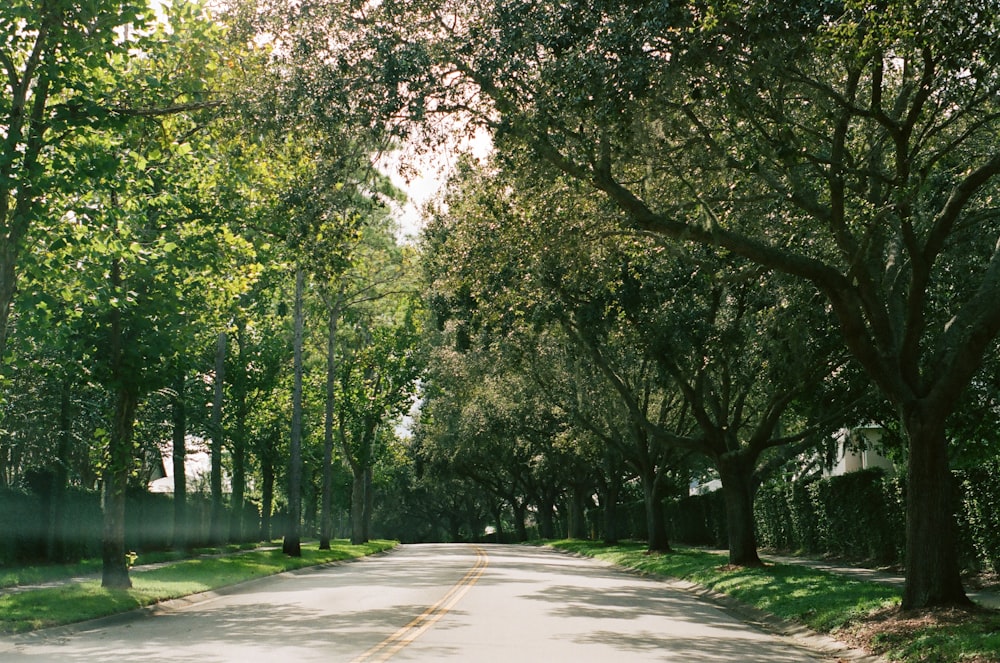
(859, 516)
(26, 521)
(979, 515)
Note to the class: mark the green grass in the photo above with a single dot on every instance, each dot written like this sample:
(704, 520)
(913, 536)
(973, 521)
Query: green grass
(36, 575)
(825, 602)
(79, 601)
(33, 575)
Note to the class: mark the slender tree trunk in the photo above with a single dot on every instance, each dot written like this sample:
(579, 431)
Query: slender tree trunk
(326, 509)
(610, 503)
(182, 535)
(366, 518)
(498, 517)
(238, 439)
(656, 524)
(546, 519)
(292, 544)
(520, 514)
(119, 460)
(736, 473)
(217, 514)
(358, 507)
(115, 569)
(238, 501)
(56, 543)
(932, 571)
(266, 497)
(577, 514)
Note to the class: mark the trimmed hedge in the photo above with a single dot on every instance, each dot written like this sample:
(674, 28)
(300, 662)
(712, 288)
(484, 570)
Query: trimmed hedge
(979, 515)
(858, 516)
(854, 516)
(25, 521)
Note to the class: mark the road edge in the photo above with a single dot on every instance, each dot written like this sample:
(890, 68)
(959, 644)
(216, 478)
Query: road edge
(10, 642)
(821, 644)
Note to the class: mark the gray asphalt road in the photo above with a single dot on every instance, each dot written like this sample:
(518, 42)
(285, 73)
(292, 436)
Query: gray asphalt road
(429, 603)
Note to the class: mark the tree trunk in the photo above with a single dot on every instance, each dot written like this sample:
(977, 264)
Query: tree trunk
(366, 518)
(119, 459)
(932, 572)
(498, 517)
(182, 536)
(577, 514)
(238, 438)
(610, 510)
(520, 513)
(292, 544)
(115, 480)
(56, 543)
(736, 473)
(326, 498)
(217, 515)
(266, 497)
(358, 507)
(546, 519)
(656, 525)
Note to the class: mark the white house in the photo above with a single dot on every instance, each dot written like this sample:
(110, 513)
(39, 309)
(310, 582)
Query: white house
(197, 467)
(858, 449)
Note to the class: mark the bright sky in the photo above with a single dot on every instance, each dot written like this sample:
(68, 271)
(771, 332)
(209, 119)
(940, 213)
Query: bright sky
(428, 174)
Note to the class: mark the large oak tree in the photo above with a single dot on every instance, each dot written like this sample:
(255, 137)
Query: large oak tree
(849, 144)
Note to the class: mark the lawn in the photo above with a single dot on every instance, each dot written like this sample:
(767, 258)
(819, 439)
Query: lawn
(865, 614)
(79, 601)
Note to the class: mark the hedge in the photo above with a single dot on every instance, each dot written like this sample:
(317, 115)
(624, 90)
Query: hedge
(858, 516)
(25, 521)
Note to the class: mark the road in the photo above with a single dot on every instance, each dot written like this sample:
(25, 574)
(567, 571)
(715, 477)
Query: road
(466, 603)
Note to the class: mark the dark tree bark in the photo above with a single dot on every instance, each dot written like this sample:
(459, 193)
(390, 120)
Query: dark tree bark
(358, 499)
(546, 518)
(216, 528)
(266, 496)
(56, 543)
(238, 439)
(114, 573)
(326, 498)
(577, 513)
(656, 524)
(292, 544)
(115, 569)
(609, 502)
(182, 535)
(369, 504)
(520, 528)
(736, 473)
(932, 571)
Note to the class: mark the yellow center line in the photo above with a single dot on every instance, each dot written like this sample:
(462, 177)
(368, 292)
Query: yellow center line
(404, 636)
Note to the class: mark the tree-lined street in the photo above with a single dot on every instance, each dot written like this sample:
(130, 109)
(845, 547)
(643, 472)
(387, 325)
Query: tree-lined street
(529, 604)
(700, 274)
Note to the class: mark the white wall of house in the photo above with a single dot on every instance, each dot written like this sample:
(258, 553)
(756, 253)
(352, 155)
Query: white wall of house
(857, 449)
(197, 468)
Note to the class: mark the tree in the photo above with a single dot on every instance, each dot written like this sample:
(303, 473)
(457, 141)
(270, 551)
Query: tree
(139, 234)
(378, 375)
(55, 61)
(868, 133)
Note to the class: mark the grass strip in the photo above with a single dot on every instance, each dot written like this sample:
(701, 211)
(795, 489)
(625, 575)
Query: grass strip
(36, 575)
(80, 601)
(863, 613)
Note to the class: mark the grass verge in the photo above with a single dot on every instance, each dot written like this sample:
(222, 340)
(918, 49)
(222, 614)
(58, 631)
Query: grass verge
(865, 614)
(80, 601)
